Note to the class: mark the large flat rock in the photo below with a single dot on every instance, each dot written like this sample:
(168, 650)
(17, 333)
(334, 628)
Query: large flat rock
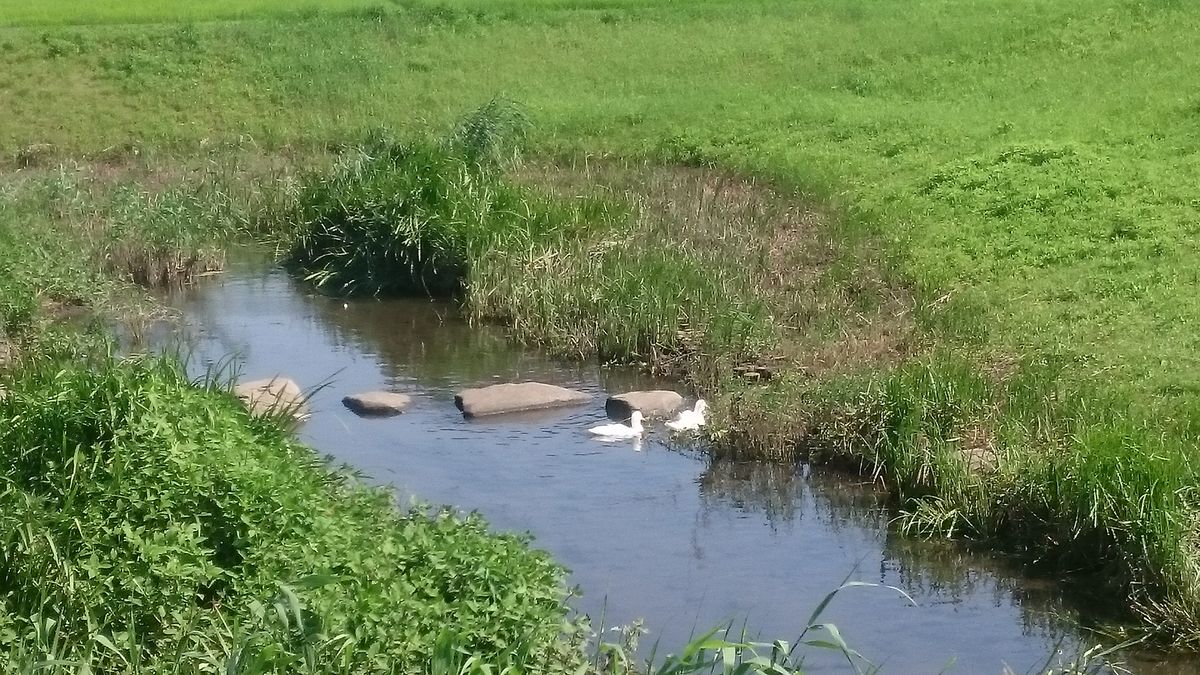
(273, 396)
(377, 403)
(516, 397)
(654, 403)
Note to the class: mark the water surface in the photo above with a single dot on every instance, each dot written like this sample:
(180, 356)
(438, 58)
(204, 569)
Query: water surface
(653, 531)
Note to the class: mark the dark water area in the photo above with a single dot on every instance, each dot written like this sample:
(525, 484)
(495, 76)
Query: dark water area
(652, 530)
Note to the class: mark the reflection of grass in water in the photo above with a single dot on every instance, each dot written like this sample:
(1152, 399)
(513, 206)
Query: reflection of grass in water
(771, 488)
(434, 345)
(930, 569)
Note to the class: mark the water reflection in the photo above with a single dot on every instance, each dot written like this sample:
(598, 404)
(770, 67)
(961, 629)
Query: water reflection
(770, 489)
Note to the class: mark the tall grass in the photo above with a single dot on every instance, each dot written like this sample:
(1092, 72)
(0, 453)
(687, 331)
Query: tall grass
(413, 218)
(146, 522)
(1070, 478)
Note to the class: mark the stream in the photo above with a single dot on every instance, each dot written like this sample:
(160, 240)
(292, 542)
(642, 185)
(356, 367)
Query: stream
(658, 532)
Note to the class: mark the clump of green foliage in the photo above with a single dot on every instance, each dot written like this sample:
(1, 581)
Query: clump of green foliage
(407, 219)
(413, 217)
(147, 523)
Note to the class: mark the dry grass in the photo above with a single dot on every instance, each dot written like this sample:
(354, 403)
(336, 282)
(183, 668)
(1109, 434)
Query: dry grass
(831, 304)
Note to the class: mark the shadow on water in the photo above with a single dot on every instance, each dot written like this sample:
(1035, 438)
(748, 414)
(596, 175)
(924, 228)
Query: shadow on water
(655, 531)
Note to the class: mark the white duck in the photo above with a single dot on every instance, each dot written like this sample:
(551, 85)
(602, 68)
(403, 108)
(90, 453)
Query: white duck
(618, 431)
(689, 420)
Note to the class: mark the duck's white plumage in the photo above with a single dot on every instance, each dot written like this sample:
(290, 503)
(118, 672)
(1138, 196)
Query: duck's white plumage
(631, 430)
(690, 420)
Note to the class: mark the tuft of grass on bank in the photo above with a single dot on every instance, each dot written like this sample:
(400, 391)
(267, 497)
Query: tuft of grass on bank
(148, 524)
(417, 217)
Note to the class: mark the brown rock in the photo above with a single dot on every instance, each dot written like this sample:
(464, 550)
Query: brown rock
(516, 397)
(655, 403)
(377, 403)
(273, 396)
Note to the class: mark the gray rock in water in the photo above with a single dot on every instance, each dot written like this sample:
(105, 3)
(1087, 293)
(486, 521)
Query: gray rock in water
(273, 396)
(518, 397)
(656, 403)
(377, 403)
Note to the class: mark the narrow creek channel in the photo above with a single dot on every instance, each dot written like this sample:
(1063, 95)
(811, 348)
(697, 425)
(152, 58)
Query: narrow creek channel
(659, 532)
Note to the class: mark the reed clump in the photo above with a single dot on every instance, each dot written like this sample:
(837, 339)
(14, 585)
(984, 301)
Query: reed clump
(412, 218)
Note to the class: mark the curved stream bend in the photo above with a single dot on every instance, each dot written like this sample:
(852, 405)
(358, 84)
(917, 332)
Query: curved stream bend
(660, 534)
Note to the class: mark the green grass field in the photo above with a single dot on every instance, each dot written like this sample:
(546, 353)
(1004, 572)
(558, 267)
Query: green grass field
(1034, 160)
(19, 13)
(1025, 169)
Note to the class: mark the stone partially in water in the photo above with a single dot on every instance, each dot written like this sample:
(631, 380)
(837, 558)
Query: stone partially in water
(377, 403)
(516, 397)
(655, 403)
(272, 396)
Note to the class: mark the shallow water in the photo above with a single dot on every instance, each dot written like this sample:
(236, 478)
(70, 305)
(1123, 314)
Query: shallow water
(656, 531)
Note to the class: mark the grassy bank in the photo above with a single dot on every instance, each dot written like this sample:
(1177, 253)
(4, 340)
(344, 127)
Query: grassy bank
(967, 265)
(151, 526)
(1002, 151)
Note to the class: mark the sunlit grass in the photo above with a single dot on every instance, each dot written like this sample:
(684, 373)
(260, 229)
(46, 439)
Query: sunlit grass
(65, 12)
(147, 520)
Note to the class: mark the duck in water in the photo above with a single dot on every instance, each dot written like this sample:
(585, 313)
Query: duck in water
(689, 420)
(619, 431)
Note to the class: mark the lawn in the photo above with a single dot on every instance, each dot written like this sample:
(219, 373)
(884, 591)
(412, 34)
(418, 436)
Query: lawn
(1033, 160)
(59, 13)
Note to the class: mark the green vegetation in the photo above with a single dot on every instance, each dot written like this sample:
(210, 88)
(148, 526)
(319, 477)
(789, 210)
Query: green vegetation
(18, 13)
(413, 218)
(146, 520)
(1002, 150)
(965, 265)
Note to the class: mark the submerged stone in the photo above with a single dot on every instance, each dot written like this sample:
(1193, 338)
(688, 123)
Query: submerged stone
(516, 397)
(377, 403)
(654, 403)
(271, 396)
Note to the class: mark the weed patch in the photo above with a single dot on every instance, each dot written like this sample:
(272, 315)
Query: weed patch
(146, 519)
(412, 219)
